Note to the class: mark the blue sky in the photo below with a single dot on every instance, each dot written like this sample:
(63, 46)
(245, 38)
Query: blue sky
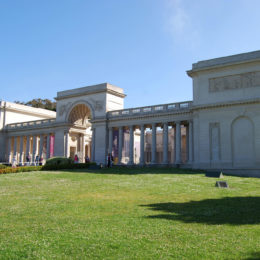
(143, 46)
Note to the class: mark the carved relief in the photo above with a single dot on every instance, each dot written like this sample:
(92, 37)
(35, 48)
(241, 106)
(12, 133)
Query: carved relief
(97, 104)
(245, 80)
(64, 108)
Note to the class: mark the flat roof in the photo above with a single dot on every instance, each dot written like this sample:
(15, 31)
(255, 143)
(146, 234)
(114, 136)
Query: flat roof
(225, 61)
(104, 87)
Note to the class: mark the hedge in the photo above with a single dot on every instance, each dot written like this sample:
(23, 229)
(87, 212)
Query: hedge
(20, 169)
(65, 166)
(59, 160)
(2, 166)
(46, 167)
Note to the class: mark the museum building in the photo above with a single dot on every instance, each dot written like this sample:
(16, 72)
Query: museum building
(218, 130)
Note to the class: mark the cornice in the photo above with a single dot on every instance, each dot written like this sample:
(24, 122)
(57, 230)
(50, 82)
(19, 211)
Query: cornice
(225, 104)
(115, 93)
(147, 116)
(45, 116)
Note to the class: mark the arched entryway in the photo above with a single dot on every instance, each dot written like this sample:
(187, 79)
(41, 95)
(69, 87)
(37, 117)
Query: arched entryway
(243, 152)
(80, 134)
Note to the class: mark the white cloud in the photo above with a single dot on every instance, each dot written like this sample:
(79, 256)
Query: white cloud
(179, 22)
(178, 18)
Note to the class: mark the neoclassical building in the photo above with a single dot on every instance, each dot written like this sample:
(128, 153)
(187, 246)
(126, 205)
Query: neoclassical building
(218, 130)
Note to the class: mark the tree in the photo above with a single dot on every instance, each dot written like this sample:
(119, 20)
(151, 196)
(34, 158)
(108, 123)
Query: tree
(40, 103)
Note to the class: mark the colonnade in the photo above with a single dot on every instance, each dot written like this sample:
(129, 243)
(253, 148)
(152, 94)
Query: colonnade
(165, 126)
(19, 147)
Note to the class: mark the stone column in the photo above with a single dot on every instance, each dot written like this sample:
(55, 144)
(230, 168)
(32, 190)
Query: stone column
(131, 145)
(41, 146)
(15, 147)
(110, 140)
(142, 146)
(93, 145)
(83, 147)
(165, 143)
(27, 145)
(48, 147)
(9, 150)
(178, 143)
(153, 143)
(21, 151)
(120, 144)
(35, 139)
(66, 144)
(190, 142)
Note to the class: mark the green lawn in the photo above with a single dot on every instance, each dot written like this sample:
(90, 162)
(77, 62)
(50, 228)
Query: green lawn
(128, 214)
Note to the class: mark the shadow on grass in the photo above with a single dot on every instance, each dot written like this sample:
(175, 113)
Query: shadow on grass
(140, 170)
(228, 210)
(253, 256)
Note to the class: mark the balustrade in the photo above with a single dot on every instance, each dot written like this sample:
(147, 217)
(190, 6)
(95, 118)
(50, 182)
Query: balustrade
(150, 109)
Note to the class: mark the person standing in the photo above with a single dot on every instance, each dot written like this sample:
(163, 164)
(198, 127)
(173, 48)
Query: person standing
(108, 160)
(37, 160)
(14, 162)
(28, 159)
(76, 158)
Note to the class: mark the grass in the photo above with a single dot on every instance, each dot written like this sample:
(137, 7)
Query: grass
(128, 214)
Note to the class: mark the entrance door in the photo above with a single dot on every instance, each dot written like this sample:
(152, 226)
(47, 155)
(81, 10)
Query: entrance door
(72, 152)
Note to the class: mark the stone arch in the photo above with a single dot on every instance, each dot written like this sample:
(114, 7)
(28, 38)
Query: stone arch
(78, 111)
(243, 151)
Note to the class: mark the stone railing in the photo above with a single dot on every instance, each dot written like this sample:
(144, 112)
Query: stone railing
(150, 109)
(30, 124)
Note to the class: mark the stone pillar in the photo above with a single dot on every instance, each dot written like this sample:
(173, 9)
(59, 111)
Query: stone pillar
(178, 143)
(35, 139)
(82, 142)
(21, 151)
(66, 144)
(15, 147)
(153, 143)
(9, 150)
(190, 142)
(165, 143)
(27, 145)
(110, 140)
(41, 146)
(142, 146)
(48, 147)
(131, 145)
(93, 145)
(59, 142)
(120, 144)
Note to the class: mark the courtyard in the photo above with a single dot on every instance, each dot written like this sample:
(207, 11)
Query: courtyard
(128, 213)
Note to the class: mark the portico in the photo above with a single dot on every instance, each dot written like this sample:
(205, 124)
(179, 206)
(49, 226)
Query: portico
(218, 130)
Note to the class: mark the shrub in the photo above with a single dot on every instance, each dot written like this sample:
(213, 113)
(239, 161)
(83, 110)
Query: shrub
(20, 169)
(2, 166)
(66, 166)
(59, 161)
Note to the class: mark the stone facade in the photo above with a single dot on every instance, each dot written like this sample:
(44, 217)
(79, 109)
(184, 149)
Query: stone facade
(218, 130)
